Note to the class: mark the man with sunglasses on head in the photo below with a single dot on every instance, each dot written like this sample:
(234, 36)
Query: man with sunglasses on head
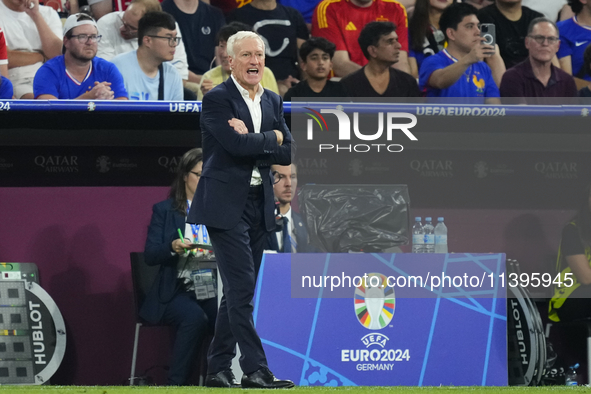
(537, 76)
(120, 31)
(147, 73)
(78, 73)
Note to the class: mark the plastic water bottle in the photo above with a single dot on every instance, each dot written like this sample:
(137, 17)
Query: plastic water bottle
(428, 229)
(418, 236)
(440, 237)
(571, 376)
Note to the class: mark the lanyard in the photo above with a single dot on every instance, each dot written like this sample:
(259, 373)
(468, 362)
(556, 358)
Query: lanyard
(196, 230)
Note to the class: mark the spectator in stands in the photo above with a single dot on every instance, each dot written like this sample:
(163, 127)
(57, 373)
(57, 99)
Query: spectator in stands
(305, 7)
(341, 22)
(283, 30)
(172, 299)
(536, 76)
(222, 71)
(100, 8)
(199, 23)
(586, 91)
(555, 10)
(78, 73)
(293, 237)
(6, 91)
(147, 71)
(511, 21)
(572, 299)
(575, 35)
(478, 4)
(3, 55)
(424, 37)
(377, 78)
(316, 54)
(460, 69)
(33, 35)
(227, 5)
(119, 33)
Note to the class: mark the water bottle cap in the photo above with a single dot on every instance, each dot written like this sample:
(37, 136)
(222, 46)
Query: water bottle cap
(418, 218)
(428, 218)
(440, 219)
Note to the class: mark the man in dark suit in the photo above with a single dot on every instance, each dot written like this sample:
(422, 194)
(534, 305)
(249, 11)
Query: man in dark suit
(293, 236)
(243, 134)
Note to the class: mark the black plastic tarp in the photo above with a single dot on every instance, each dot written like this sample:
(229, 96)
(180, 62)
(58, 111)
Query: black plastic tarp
(355, 218)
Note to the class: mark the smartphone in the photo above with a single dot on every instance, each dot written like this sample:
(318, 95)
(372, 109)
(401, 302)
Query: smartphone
(487, 31)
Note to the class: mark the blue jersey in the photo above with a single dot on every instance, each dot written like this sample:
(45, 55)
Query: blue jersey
(574, 39)
(141, 87)
(53, 78)
(305, 7)
(477, 81)
(5, 88)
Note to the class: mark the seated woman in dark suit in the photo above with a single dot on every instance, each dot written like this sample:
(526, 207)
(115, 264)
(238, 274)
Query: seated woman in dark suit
(179, 296)
(572, 300)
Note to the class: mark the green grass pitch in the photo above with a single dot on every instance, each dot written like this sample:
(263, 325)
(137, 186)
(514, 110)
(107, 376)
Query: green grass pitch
(297, 390)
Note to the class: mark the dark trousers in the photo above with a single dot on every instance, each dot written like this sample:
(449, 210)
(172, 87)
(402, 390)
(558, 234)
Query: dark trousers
(238, 252)
(192, 320)
(577, 305)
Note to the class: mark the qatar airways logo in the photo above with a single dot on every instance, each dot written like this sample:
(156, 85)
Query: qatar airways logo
(391, 120)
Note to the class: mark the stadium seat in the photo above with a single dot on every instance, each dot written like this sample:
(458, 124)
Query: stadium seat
(143, 275)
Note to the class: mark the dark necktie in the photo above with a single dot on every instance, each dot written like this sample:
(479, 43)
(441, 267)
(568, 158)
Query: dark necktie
(286, 237)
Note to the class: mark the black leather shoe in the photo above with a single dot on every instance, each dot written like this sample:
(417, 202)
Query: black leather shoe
(264, 379)
(222, 379)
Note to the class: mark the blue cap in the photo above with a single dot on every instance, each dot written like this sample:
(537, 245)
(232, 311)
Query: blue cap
(428, 218)
(418, 218)
(440, 219)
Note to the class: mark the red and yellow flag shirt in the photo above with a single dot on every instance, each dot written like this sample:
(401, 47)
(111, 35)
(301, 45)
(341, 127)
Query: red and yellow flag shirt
(341, 21)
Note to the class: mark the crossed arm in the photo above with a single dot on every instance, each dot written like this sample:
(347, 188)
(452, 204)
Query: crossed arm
(232, 134)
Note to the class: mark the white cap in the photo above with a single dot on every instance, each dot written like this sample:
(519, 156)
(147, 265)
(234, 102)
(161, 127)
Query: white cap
(73, 22)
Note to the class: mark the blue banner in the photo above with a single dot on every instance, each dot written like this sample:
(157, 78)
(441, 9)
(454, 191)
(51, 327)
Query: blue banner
(455, 108)
(380, 335)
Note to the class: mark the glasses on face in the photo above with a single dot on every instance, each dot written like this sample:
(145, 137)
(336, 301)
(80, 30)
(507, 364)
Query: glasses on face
(84, 38)
(172, 41)
(277, 177)
(127, 26)
(541, 39)
(196, 173)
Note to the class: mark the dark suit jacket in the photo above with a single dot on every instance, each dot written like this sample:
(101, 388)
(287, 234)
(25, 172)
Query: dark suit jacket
(301, 235)
(228, 157)
(161, 232)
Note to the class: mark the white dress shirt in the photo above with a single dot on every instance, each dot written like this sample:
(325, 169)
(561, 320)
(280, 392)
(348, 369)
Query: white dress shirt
(254, 107)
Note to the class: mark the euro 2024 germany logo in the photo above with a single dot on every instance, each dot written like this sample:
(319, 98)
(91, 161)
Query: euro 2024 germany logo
(374, 303)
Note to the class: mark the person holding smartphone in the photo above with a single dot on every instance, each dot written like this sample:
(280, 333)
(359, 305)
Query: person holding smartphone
(175, 297)
(467, 67)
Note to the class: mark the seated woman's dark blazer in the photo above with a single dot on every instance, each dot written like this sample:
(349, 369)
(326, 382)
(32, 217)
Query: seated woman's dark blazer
(162, 231)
